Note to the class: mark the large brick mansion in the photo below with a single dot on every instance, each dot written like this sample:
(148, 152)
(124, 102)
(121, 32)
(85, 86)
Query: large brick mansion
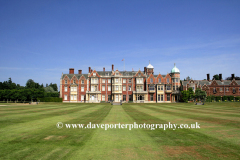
(137, 86)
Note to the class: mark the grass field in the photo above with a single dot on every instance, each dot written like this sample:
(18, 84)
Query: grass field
(30, 132)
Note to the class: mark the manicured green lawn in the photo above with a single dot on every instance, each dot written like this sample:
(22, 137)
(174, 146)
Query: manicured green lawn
(30, 132)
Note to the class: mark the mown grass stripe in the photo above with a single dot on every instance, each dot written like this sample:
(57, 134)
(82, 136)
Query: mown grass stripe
(64, 139)
(182, 137)
(222, 121)
(23, 118)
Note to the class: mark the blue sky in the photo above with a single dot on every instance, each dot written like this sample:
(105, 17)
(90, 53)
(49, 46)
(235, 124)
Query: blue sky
(41, 39)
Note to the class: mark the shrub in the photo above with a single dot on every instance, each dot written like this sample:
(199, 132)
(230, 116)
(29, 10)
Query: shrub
(218, 98)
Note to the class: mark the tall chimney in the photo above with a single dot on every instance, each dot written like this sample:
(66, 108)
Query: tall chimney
(208, 75)
(112, 67)
(89, 69)
(233, 76)
(103, 69)
(220, 76)
(71, 70)
(145, 70)
(79, 71)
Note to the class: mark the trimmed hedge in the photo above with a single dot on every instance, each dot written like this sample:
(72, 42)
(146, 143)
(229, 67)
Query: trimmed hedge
(50, 99)
(224, 98)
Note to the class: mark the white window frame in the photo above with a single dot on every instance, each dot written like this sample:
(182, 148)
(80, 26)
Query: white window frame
(109, 88)
(82, 81)
(124, 88)
(103, 80)
(129, 88)
(109, 80)
(66, 81)
(103, 97)
(82, 88)
(65, 97)
(103, 87)
(82, 97)
(124, 80)
(159, 80)
(65, 89)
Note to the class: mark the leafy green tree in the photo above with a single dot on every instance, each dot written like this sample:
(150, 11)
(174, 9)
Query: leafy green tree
(54, 86)
(191, 93)
(200, 95)
(185, 96)
(30, 84)
(216, 77)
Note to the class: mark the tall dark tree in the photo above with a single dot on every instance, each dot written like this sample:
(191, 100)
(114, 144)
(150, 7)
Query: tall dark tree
(216, 77)
(230, 78)
(30, 84)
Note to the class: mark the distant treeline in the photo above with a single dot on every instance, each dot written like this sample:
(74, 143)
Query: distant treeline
(32, 91)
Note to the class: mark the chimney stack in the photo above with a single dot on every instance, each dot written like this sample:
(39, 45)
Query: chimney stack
(220, 76)
(79, 71)
(233, 76)
(103, 69)
(145, 70)
(208, 76)
(89, 69)
(112, 67)
(71, 70)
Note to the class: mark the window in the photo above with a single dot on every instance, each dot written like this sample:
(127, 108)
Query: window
(65, 81)
(168, 88)
(159, 97)
(65, 89)
(73, 89)
(130, 98)
(109, 80)
(124, 97)
(221, 90)
(139, 80)
(173, 80)
(124, 88)
(103, 80)
(129, 81)
(124, 80)
(103, 97)
(65, 97)
(177, 80)
(82, 88)
(193, 88)
(103, 88)
(159, 80)
(151, 80)
(167, 80)
(151, 88)
(116, 80)
(129, 88)
(234, 90)
(71, 97)
(174, 88)
(74, 81)
(139, 88)
(117, 88)
(161, 87)
(94, 80)
(109, 97)
(168, 97)
(82, 97)
(109, 88)
(117, 74)
(214, 90)
(227, 89)
(94, 74)
(151, 97)
(82, 81)
(75, 97)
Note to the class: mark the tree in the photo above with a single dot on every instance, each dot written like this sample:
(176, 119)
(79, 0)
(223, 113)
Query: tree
(200, 95)
(30, 84)
(191, 93)
(230, 78)
(188, 78)
(216, 77)
(54, 86)
(185, 96)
